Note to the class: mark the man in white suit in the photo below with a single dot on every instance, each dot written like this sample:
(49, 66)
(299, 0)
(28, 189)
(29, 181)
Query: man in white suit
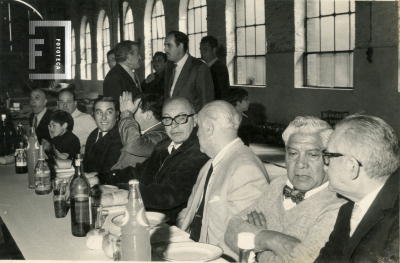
(228, 183)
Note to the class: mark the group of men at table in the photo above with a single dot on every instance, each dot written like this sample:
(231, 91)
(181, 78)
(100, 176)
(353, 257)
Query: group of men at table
(338, 201)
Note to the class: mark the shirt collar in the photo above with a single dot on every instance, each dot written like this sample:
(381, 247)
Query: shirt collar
(212, 61)
(143, 132)
(173, 145)
(126, 68)
(222, 152)
(181, 62)
(366, 202)
(75, 113)
(41, 114)
(312, 191)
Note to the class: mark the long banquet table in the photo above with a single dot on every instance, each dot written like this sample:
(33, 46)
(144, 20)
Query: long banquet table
(31, 221)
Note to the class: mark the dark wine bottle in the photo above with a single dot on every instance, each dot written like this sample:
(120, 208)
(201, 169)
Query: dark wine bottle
(80, 201)
(6, 137)
(21, 165)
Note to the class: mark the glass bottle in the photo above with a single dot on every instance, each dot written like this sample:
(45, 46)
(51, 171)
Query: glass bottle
(80, 201)
(135, 228)
(21, 166)
(6, 136)
(246, 247)
(32, 153)
(42, 175)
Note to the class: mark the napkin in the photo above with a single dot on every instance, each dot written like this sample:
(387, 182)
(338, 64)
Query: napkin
(166, 233)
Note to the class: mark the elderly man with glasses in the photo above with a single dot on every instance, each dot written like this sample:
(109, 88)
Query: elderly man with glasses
(168, 175)
(295, 216)
(362, 161)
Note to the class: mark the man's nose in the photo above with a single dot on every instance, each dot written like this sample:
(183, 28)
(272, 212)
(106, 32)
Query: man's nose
(302, 162)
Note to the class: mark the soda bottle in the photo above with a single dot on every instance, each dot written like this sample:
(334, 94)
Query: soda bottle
(20, 145)
(32, 156)
(80, 201)
(135, 228)
(42, 175)
(246, 247)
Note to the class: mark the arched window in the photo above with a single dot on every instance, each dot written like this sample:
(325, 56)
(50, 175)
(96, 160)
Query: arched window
(250, 42)
(157, 27)
(129, 33)
(197, 25)
(86, 50)
(330, 41)
(103, 44)
(73, 54)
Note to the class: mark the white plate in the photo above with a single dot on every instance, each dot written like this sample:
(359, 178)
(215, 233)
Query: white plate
(188, 251)
(154, 219)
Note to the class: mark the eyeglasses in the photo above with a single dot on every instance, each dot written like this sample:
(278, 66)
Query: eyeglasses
(179, 119)
(327, 155)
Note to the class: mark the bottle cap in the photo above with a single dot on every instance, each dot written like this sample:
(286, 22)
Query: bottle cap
(246, 240)
(133, 181)
(78, 156)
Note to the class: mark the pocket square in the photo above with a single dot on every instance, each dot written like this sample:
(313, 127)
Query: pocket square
(214, 199)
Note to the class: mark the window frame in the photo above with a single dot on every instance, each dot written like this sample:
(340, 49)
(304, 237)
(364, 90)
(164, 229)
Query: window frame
(202, 32)
(154, 18)
(126, 35)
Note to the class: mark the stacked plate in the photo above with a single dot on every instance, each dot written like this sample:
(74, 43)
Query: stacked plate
(188, 251)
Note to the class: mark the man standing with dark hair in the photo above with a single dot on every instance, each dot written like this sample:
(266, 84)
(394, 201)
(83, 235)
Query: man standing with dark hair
(185, 75)
(155, 82)
(219, 72)
(40, 116)
(121, 77)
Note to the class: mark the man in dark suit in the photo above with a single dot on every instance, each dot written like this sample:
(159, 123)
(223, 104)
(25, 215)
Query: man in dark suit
(219, 72)
(168, 175)
(121, 78)
(155, 82)
(185, 75)
(103, 146)
(40, 116)
(362, 160)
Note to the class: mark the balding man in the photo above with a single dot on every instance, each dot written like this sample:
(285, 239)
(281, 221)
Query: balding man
(231, 181)
(168, 175)
(40, 116)
(362, 160)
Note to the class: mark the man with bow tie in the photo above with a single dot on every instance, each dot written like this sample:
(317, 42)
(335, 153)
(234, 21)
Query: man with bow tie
(295, 216)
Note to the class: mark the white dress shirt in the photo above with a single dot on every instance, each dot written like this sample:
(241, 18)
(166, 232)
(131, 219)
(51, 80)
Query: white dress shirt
(173, 145)
(212, 61)
(39, 116)
(289, 204)
(178, 69)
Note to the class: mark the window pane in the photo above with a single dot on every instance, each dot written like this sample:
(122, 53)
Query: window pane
(313, 37)
(196, 3)
(341, 6)
(197, 19)
(327, 36)
(240, 12)
(241, 70)
(154, 28)
(204, 19)
(250, 41)
(312, 69)
(342, 70)
(352, 31)
(327, 7)
(260, 40)
(312, 8)
(251, 70)
(197, 44)
(250, 12)
(260, 71)
(203, 2)
(326, 64)
(260, 10)
(342, 37)
(352, 6)
(192, 45)
(159, 26)
(241, 37)
(190, 6)
(190, 21)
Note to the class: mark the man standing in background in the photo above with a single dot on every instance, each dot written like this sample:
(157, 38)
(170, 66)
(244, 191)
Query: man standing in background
(40, 116)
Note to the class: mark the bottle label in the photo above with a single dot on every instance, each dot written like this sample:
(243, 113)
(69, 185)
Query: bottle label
(81, 206)
(20, 158)
(42, 180)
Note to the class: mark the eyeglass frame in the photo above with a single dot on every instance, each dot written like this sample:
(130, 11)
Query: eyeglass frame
(173, 119)
(327, 155)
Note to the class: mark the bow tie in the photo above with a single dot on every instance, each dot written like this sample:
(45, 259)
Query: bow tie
(296, 195)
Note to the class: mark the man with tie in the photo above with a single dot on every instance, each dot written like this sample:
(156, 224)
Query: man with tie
(228, 183)
(296, 214)
(122, 76)
(362, 160)
(186, 76)
(40, 116)
(168, 175)
(103, 146)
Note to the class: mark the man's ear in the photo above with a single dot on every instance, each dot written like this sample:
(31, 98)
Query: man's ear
(65, 125)
(354, 167)
(209, 127)
(149, 115)
(76, 103)
(45, 102)
(195, 120)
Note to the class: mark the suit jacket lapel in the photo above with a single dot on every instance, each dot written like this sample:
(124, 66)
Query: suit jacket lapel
(126, 75)
(183, 76)
(167, 79)
(91, 142)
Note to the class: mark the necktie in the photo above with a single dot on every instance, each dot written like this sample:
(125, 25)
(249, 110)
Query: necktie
(100, 136)
(198, 217)
(354, 218)
(171, 82)
(173, 149)
(137, 82)
(35, 122)
(296, 195)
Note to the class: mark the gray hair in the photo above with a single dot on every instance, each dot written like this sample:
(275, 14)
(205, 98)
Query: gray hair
(222, 113)
(373, 142)
(308, 125)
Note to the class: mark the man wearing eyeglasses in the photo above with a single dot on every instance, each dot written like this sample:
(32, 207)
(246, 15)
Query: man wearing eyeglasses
(83, 123)
(295, 216)
(362, 161)
(168, 175)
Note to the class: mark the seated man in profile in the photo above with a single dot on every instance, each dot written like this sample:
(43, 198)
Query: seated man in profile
(295, 216)
(168, 175)
(140, 128)
(103, 146)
